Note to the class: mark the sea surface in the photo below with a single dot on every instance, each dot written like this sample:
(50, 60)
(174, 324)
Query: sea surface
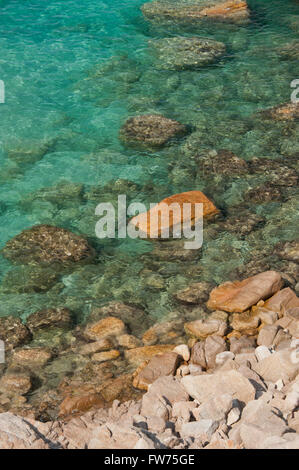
(74, 72)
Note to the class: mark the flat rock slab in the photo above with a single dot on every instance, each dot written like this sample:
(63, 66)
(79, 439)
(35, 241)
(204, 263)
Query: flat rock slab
(186, 53)
(202, 387)
(239, 296)
(161, 220)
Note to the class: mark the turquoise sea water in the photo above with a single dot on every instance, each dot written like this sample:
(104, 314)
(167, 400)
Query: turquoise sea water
(73, 73)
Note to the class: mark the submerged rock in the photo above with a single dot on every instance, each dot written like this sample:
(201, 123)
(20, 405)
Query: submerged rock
(194, 294)
(173, 220)
(54, 317)
(135, 318)
(223, 162)
(193, 11)
(238, 296)
(109, 326)
(13, 332)
(181, 53)
(288, 250)
(48, 244)
(138, 355)
(23, 279)
(151, 130)
(282, 112)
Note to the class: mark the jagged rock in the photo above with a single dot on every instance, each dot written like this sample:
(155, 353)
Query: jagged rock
(246, 323)
(113, 436)
(198, 355)
(213, 345)
(216, 408)
(47, 244)
(163, 391)
(202, 429)
(159, 366)
(201, 387)
(238, 296)
(18, 433)
(261, 352)
(13, 332)
(242, 344)
(53, 317)
(151, 130)
(258, 422)
(290, 321)
(224, 356)
(185, 53)
(282, 301)
(278, 365)
(183, 351)
(266, 335)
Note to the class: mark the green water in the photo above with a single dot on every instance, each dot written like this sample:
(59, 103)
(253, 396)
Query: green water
(73, 73)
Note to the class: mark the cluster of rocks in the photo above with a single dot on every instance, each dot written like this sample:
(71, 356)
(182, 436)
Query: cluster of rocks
(233, 384)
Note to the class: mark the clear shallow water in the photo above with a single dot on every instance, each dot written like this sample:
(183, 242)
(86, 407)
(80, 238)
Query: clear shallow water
(73, 74)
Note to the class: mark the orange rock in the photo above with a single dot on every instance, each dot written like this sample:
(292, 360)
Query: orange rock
(229, 9)
(283, 112)
(239, 296)
(80, 404)
(105, 356)
(109, 326)
(138, 355)
(282, 301)
(161, 219)
(31, 357)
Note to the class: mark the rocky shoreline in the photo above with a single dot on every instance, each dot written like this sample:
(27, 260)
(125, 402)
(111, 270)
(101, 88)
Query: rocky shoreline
(233, 385)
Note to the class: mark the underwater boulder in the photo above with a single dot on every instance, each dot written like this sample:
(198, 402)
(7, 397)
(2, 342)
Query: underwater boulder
(193, 11)
(52, 317)
(180, 53)
(47, 244)
(282, 112)
(150, 130)
(13, 332)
